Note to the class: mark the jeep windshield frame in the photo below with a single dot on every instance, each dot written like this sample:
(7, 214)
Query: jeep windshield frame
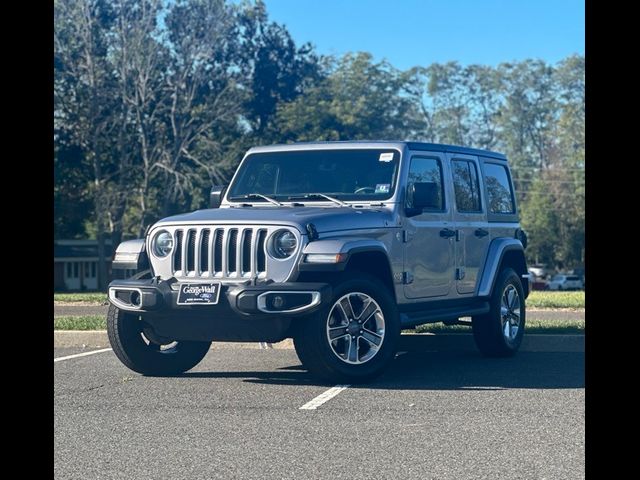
(349, 175)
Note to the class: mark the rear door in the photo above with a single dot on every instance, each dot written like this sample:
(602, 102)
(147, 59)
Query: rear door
(470, 219)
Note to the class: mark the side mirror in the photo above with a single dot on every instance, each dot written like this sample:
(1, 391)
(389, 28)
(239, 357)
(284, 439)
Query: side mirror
(215, 198)
(422, 196)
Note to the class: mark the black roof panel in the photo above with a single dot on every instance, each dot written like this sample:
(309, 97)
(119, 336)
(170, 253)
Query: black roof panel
(442, 147)
(433, 147)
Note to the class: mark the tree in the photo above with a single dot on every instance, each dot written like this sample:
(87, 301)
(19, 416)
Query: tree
(277, 70)
(82, 96)
(359, 99)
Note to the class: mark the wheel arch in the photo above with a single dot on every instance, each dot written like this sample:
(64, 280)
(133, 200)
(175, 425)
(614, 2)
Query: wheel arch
(375, 262)
(363, 255)
(503, 253)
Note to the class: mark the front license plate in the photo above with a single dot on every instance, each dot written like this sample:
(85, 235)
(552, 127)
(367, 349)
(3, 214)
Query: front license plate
(198, 294)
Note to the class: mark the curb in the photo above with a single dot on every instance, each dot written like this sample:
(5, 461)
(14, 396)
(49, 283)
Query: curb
(408, 342)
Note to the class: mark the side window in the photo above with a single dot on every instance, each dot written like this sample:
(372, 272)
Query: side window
(428, 170)
(466, 187)
(498, 189)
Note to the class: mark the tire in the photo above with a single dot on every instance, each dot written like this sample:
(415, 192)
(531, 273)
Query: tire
(493, 338)
(358, 352)
(146, 353)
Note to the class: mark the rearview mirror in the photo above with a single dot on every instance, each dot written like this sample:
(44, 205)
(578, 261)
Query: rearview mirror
(215, 198)
(422, 196)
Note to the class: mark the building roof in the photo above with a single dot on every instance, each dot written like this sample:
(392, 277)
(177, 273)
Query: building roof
(79, 249)
(433, 147)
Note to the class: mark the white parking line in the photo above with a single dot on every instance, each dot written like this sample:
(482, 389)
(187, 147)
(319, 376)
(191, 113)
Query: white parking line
(68, 357)
(324, 397)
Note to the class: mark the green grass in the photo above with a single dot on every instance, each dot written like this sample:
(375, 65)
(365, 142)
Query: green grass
(86, 322)
(537, 299)
(541, 299)
(98, 322)
(98, 298)
(533, 326)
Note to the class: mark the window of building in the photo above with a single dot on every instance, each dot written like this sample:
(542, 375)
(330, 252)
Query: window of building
(72, 269)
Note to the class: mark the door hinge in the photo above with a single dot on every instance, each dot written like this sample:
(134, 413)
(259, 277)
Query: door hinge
(459, 235)
(460, 273)
(407, 278)
(406, 236)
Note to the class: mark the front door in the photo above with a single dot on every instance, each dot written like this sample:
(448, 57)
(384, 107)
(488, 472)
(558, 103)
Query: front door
(429, 247)
(469, 216)
(90, 281)
(72, 275)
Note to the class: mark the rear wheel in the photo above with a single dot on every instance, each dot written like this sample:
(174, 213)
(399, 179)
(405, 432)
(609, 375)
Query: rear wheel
(354, 338)
(138, 347)
(499, 332)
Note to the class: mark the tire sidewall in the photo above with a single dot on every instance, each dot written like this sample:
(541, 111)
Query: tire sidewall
(508, 277)
(318, 341)
(124, 329)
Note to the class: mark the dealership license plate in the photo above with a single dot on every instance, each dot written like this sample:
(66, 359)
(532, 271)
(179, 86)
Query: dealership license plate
(198, 294)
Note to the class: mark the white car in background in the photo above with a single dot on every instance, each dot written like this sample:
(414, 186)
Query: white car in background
(565, 282)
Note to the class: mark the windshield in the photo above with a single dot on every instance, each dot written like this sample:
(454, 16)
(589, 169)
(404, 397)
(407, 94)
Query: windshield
(357, 175)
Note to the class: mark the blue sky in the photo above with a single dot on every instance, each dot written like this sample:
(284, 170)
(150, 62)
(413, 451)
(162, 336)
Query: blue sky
(420, 32)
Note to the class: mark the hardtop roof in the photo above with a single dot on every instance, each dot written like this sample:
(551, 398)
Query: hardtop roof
(422, 146)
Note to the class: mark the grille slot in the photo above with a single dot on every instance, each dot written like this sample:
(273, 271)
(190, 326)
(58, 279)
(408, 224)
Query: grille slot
(246, 251)
(232, 250)
(261, 255)
(220, 252)
(217, 253)
(204, 251)
(177, 256)
(191, 250)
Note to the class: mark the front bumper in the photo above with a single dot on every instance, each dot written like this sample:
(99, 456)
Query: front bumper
(243, 313)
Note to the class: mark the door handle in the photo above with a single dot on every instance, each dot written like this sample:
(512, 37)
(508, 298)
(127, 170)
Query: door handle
(481, 232)
(447, 233)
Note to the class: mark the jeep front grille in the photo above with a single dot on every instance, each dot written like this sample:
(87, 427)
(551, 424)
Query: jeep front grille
(219, 252)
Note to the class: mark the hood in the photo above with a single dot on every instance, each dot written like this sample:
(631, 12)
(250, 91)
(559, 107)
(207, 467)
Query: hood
(325, 219)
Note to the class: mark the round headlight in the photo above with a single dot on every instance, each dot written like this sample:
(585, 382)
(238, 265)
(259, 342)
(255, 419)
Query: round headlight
(162, 244)
(283, 244)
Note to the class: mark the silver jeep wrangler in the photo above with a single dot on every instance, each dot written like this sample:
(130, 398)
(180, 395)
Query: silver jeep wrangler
(338, 245)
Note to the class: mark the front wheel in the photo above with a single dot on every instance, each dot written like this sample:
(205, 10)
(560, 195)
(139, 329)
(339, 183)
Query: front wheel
(139, 349)
(499, 332)
(354, 338)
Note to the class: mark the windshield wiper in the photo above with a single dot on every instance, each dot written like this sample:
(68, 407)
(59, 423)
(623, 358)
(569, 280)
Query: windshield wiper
(249, 196)
(320, 195)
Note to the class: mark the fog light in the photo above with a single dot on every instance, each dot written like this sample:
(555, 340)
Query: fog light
(278, 301)
(135, 299)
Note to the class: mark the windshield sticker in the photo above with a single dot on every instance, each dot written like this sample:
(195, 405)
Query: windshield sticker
(386, 157)
(383, 187)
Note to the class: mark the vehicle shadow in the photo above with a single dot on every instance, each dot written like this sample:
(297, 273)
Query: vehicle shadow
(445, 370)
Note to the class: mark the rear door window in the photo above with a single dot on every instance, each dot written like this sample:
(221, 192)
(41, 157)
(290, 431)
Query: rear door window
(466, 186)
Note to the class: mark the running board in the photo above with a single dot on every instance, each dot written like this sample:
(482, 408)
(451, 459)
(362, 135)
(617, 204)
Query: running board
(450, 314)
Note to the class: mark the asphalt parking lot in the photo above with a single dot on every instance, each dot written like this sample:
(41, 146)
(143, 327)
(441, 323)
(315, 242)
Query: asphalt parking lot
(432, 415)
